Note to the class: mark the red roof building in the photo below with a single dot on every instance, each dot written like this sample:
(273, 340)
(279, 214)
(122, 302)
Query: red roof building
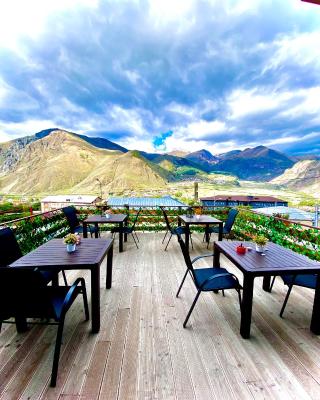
(239, 200)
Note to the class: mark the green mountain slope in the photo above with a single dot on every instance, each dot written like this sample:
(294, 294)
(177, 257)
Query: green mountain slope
(259, 163)
(62, 162)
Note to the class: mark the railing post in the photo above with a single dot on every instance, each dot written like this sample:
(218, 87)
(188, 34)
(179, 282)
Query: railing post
(316, 216)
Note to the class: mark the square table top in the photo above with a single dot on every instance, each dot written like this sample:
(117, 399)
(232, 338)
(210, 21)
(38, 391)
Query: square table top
(199, 219)
(276, 260)
(89, 252)
(102, 219)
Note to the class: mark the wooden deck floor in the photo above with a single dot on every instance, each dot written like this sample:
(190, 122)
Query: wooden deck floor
(143, 352)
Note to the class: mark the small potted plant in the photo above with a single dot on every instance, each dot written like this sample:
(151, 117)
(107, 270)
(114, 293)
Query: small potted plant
(70, 240)
(260, 242)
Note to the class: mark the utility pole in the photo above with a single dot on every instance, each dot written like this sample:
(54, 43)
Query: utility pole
(196, 193)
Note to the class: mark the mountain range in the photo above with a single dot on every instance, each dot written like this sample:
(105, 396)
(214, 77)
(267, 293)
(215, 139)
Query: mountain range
(56, 161)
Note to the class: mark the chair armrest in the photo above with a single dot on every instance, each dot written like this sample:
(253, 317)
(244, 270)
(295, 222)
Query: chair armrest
(71, 295)
(199, 257)
(211, 278)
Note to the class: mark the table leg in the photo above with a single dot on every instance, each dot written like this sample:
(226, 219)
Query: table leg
(246, 306)
(126, 235)
(315, 321)
(96, 231)
(220, 234)
(85, 230)
(120, 237)
(21, 324)
(95, 298)
(187, 236)
(109, 268)
(207, 233)
(266, 283)
(216, 256)
(216, 259)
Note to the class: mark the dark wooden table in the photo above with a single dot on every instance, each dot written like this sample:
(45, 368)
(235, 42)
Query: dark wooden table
(200, 220)
(118, 219)
(277, 261)
(88, 255)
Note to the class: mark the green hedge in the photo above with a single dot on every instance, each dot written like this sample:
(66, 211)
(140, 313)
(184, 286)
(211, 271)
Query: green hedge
(301, 239)
(33, 232)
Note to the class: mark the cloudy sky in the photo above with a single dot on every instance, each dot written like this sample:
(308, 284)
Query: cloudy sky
(161, 75)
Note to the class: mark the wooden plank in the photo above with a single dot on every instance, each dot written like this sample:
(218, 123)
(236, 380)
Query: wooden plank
(65, 364)
(164, 379)
(112, 373)
(184, 386)
(129, 380)
(27, 368)
(11, 367)
(222, 383)
(146, 376)
(92, 384)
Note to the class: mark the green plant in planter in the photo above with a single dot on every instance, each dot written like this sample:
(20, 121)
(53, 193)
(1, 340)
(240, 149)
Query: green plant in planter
(260, 240)
(71, 238)
(279, 215)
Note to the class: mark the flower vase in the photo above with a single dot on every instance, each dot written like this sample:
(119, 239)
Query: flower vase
(71, 248)
(260, 248)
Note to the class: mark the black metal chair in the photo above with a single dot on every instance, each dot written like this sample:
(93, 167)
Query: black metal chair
(73, 221)
(179, 230)
(10, 252)
(304, 280)
(128, 229)
(226, 227)
(206, 279)
(24, 294)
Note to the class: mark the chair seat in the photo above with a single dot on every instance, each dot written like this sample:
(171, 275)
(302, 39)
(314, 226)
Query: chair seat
(223, 282)
(215, 229)
(125, 229)
(308, 281)
(48, 276)
(57, 296)
(92, 229)
(179, 230)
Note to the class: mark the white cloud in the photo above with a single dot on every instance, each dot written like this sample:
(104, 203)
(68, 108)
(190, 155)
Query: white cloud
(12, 130)
(28, 18)
(11, 97)
(243, 102)
(308, 103)
(201, 129)
(193, 112)
(296, 49)
(171, 11)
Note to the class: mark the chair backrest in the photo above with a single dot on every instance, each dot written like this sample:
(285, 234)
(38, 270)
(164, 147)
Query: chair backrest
(71, 215)
(186, 256)
(230, 220)
(136, 219)
(166, 219)
(24, 292)
(10, 250)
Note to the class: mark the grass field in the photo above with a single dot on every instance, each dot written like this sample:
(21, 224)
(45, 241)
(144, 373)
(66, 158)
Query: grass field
(185, 192)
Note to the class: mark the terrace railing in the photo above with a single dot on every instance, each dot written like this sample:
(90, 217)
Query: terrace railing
(36, 229)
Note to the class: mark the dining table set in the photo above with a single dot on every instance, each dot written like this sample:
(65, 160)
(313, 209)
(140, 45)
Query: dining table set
(90, 253)
(276, 260)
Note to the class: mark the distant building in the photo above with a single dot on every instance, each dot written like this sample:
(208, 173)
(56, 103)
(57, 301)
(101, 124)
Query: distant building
(152, 202)
(295, 214)
(232, 201)
(53, 202)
